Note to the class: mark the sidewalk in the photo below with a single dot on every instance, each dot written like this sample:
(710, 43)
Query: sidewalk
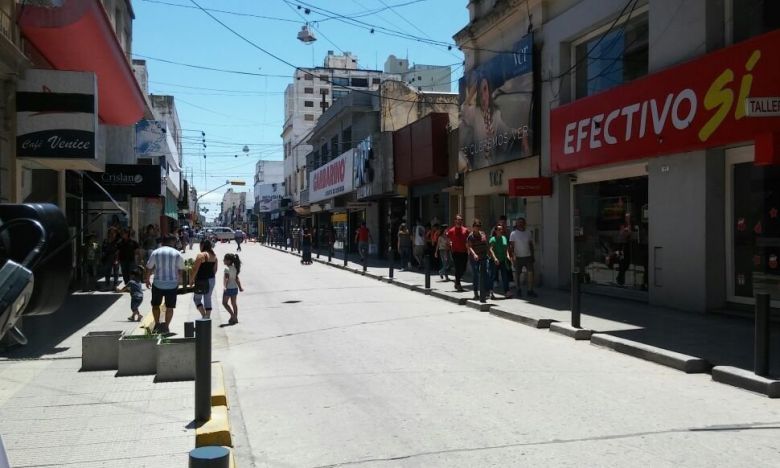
(722, 340)
(51, 414)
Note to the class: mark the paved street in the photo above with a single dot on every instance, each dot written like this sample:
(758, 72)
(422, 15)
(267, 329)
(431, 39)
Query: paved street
(333, 369)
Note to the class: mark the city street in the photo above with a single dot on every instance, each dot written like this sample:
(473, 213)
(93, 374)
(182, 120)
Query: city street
(334, 369)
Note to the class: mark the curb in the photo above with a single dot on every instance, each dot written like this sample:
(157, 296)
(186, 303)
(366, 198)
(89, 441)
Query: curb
(216, 431)
(218, 393)
(525, 320)
(664, 357)
(480, 306)
(567, 330)
(746, 380)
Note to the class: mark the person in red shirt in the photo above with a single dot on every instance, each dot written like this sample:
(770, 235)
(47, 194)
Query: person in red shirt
(363, 237)
(457, 236)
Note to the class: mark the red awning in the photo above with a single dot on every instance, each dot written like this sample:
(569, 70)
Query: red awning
(78, 36)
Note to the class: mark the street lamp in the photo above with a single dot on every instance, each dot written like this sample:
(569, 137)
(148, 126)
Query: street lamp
(227, 182)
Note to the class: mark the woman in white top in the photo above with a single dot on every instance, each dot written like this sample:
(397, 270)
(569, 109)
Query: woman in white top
(232, 285)
(443, 253)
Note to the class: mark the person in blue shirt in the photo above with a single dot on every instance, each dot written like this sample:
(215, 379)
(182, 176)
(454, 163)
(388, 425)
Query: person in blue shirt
(136, 291)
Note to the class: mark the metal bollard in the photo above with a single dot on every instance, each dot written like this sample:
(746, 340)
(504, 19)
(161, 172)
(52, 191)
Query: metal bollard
(761, 357)
(576, 299)
(391, 260)
(365, 263)
(346, 254)
(330, 253)
(427, 260)
(210, 456)
(189, 329)
(203, 370)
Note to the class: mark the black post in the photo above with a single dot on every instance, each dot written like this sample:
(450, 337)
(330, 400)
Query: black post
(203, 370)
(391, 259)
(189, 329)
(330, 251)
(365, 262)
(346, 243)
(210, 456)
(761, 365)
(427, 260)
(576, 297)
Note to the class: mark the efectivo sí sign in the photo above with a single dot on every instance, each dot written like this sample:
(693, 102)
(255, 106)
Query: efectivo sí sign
(699, 104)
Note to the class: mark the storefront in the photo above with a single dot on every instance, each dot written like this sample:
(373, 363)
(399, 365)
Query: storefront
(331, 189)
(673, 181)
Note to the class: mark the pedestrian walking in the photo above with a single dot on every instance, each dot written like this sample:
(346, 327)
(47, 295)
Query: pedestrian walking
(405, 246)
(232, 285)
(166, 263)
(478, 250)
(109, 260)
(457, 236)
(362, 238)
(239, 237)
(185, 239)
(419, 243)
(443, 253)
(136, 290)
(306, 244)
(203, 278)
(522, 247)
(128, 253)
(90, 256)
(499, 247)
(191, 236)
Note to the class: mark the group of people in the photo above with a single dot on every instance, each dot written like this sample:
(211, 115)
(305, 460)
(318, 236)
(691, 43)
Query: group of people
(491, 255)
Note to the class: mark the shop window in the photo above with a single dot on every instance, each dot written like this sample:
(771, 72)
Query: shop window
(612, 58)
(754, 17)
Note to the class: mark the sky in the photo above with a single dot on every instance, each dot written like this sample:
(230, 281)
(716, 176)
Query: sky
(247, 108)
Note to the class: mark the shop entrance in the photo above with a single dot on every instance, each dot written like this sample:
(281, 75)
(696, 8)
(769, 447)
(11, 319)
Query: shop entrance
(610, 227)
(753, 231)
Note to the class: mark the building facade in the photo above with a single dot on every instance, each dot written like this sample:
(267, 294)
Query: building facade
(434, 78)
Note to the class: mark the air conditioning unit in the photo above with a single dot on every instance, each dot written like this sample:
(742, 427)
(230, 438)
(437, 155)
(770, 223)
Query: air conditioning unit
(305, 35)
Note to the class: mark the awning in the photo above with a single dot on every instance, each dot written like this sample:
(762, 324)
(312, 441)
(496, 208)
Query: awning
(78, 36)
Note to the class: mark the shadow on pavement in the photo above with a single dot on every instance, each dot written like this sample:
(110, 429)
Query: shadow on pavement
(44, 332)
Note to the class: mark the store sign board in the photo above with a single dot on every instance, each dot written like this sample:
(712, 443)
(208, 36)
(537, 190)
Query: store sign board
(268, 196)
(333, 179)
(56, 115)
(530, 187)
(699, 104)
(122, 180)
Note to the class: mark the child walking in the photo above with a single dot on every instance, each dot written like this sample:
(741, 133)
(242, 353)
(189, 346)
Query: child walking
(136, 295)
(232, 286)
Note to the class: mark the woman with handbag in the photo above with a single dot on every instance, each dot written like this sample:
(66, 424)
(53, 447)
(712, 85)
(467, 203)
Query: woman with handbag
(203, 273)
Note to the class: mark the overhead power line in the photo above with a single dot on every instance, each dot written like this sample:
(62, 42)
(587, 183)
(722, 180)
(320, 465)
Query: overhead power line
(203, 67)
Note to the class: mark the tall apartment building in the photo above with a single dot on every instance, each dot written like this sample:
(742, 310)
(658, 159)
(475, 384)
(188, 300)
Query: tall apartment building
(432, 78)
(312, 91)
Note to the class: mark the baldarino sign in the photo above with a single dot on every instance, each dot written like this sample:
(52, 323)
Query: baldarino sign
(56, 115)
(333, 179)
(700, 104)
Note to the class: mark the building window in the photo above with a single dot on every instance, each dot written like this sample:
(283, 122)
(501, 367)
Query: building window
(308, 117)
(608, 60)
(308, 90)
(324, 105)
(324, 78)
(324, 91)
(308, 77)
(360, 82)
(339, 93)
(308, 103)
(340, 81)
(334, 146)
(375, 81)
(754, 17)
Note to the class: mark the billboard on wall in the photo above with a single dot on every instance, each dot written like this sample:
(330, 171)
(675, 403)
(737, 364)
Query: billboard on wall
(56, 115)
(333, 179)
(268, 196)
(496, 109)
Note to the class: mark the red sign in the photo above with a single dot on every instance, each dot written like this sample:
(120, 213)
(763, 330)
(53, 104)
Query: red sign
(531, 187)
(699, 104)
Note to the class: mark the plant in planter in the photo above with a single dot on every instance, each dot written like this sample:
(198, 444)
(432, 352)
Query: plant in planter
(175, 359)
(186, 275)
(100, 350)
(138, 354)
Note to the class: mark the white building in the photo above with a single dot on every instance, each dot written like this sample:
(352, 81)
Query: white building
(435, 78)
(311, 92)
(269, 176)
(233, 209)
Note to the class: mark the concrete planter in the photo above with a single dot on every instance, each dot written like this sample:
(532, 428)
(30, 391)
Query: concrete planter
(138, 354)
(175, 359)
(100, 350)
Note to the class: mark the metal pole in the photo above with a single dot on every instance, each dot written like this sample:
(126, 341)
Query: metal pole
(365, 262)
(761, 364)
(203, 369)
(189, 329)
(346, 243)
(427, 260)
(210, 456)
(391, 259)
(576, 299)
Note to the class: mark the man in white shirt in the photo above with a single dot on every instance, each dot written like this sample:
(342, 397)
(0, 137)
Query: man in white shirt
(521, 246)
(419, 243)
(167, 264)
